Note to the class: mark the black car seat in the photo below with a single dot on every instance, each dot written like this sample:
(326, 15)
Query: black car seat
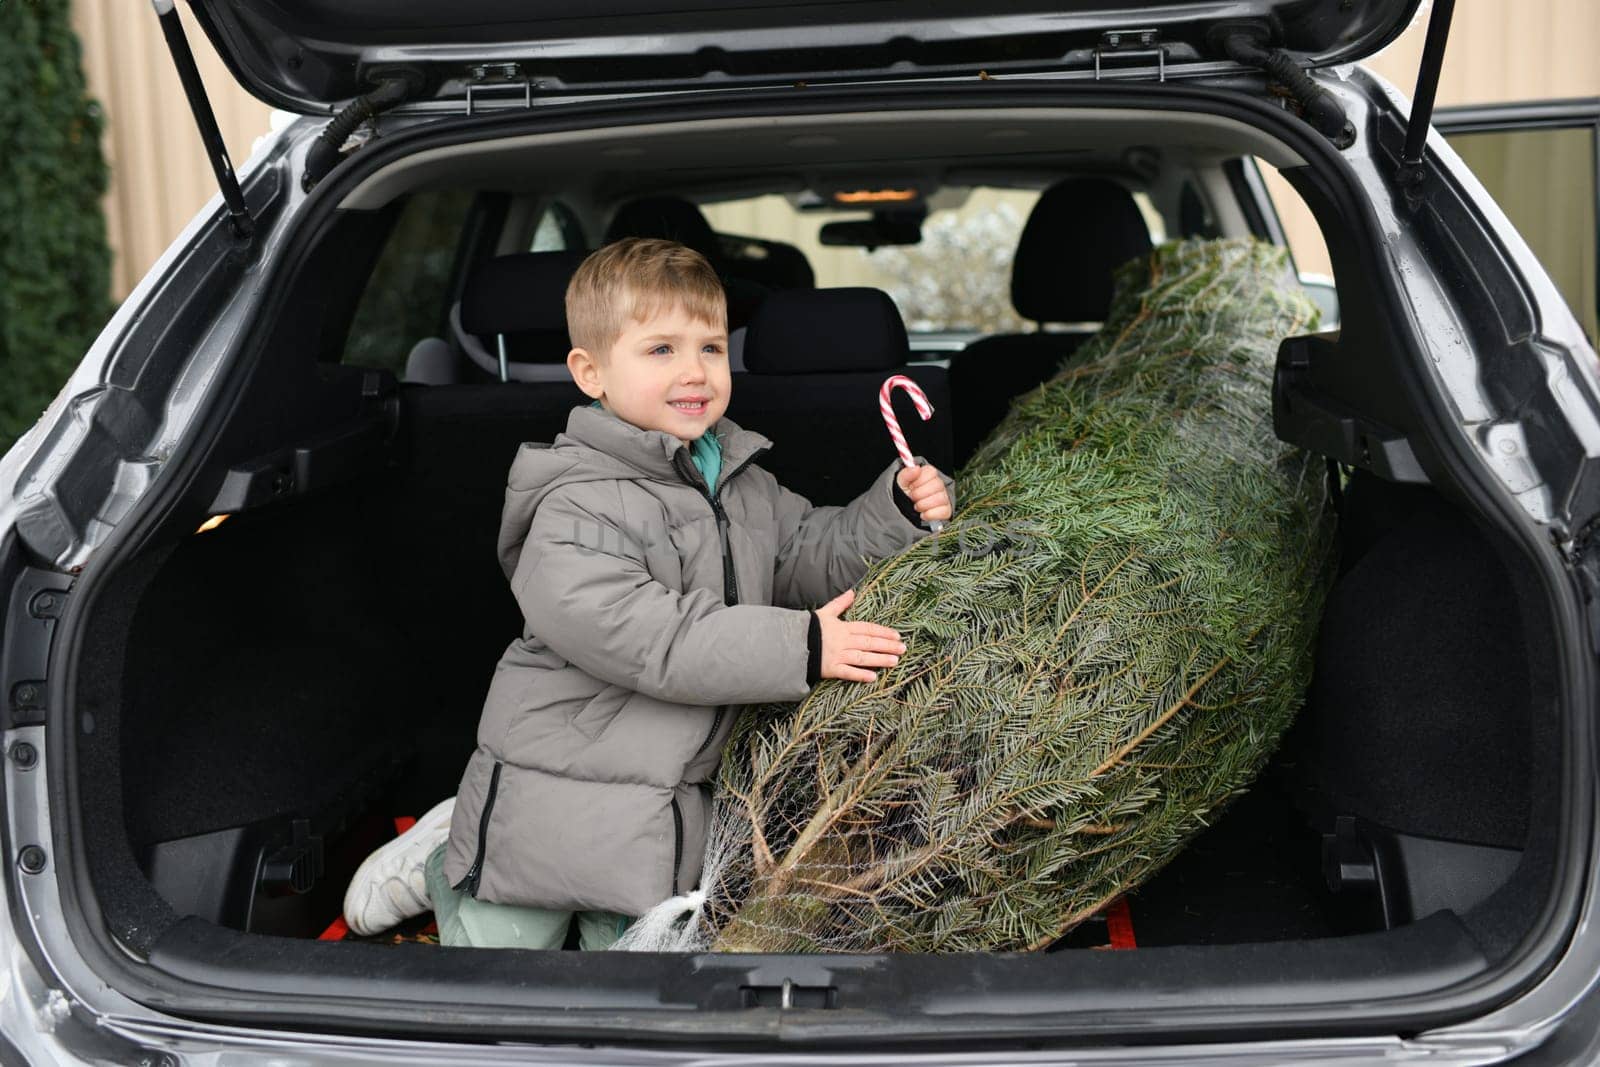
(773, 264)
(1078, 233)
(459, 440)
(676, 219)
(815, 359)
(517, 299)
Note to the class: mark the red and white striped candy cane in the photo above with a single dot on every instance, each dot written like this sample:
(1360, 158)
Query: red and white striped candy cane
(924, 409)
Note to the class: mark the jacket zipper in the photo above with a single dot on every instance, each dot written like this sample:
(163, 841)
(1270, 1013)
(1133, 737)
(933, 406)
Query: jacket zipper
(469, 881)
(687, 471)
(677, 843)
(716, 723)
(730, 582)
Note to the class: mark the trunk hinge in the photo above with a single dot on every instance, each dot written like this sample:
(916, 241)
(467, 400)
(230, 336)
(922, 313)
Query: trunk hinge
(193, 88)
(1125, 43)
(37, 601)
(493, 77)
(1411, 169)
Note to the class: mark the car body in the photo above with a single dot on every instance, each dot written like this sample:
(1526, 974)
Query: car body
(1456, 365)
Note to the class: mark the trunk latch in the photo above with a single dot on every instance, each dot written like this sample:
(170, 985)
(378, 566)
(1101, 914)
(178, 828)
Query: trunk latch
(36, 604)
(787, 995)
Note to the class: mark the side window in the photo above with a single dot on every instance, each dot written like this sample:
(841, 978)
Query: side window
(1152, 217)
(1300, 230)
(407, 297)
(1544, 180)
(1194, 215)
(1304, 239)
(558, 230)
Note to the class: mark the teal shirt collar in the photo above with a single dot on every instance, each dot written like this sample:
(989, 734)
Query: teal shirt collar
(705, 451)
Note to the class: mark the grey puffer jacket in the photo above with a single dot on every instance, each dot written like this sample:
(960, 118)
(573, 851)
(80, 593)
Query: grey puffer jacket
(652, 610)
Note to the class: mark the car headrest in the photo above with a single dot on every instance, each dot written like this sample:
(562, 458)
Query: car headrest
(670, 218)
(822, 331)
(1080, 231)
(520, 293)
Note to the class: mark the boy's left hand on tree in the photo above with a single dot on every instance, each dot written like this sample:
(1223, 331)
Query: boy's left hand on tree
(926, 491)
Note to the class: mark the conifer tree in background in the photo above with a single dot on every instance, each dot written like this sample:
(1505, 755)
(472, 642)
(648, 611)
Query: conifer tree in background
(1104, 646)
(55, 265)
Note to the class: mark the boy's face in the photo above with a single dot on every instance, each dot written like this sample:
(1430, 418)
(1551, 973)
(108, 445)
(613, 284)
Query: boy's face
(668, 372)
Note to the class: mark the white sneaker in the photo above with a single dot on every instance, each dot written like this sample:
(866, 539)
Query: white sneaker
(389, 887)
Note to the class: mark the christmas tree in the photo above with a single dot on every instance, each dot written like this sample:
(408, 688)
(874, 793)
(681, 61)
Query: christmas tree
(1105, 644)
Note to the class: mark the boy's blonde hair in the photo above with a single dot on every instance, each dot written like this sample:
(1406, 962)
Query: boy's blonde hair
(634, 278)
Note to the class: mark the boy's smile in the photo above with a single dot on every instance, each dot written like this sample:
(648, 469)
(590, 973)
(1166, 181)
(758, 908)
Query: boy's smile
(668, 372)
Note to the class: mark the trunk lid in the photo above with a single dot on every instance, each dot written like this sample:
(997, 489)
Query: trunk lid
(312, 56)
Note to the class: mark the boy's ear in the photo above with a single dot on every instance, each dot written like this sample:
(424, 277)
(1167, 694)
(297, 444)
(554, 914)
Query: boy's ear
(585, 372)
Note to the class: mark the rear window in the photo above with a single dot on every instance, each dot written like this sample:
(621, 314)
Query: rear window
(957, 278)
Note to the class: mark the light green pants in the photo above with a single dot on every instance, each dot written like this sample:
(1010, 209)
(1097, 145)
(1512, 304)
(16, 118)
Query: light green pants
(467, 921)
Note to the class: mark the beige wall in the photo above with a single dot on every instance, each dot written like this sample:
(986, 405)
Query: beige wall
(1499, 50)
(1505, 50)
(159, 174)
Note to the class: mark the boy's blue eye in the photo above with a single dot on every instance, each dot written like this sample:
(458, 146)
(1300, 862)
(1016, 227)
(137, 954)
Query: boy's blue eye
(661, 350)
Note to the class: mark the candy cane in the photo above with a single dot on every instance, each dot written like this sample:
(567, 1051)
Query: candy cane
(924, 409)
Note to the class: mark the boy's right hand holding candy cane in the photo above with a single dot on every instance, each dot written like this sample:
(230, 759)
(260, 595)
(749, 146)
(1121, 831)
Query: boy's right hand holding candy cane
(926, 490)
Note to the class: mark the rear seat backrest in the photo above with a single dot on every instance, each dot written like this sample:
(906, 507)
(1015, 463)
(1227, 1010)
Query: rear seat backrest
(522, 298)
(1079, 232)
(815, 360)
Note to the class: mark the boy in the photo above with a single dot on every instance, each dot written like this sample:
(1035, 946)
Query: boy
(647, 552)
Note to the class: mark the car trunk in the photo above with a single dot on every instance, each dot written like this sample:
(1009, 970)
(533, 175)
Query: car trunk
(297, 679)
(271, 694)
(324, 662)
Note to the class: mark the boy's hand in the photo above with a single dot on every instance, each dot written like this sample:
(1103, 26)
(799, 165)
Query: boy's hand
(926, 491)
(849, 648)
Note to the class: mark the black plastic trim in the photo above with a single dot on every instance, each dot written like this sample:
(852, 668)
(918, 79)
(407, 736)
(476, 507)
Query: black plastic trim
(1524, 114)
(953, 1001)
(1533, 115)
(37, 600)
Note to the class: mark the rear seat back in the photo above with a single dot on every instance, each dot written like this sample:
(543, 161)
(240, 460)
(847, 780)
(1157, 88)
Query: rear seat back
(461, 438)
(815, 360)
(460, 441)
(521, 298)
(1080, 231)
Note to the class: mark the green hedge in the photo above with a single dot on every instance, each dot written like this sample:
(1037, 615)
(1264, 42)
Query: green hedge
(55, 265)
